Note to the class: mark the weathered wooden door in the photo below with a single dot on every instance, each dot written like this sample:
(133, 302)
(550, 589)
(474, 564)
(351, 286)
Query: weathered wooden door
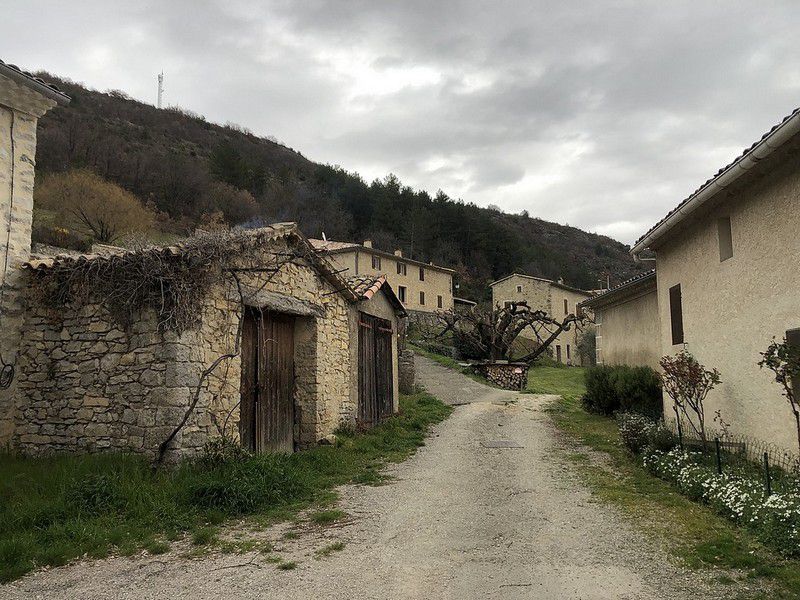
(375, 379)
(267, 386)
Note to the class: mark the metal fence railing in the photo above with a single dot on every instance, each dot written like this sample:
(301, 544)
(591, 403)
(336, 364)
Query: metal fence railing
(738, 454)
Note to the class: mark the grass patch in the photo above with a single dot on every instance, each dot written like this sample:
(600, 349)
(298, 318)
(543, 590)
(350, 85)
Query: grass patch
(287, 565)
(693, 532)
(330, 549)
(326, 517)
(561, 381)
(291, 535)
(57, 509)
(451, 363)
(204, 536)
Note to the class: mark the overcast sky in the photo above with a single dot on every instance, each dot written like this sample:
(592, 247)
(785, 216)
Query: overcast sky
(603, 115)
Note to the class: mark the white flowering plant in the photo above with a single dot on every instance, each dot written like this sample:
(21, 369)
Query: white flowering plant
(740, 497)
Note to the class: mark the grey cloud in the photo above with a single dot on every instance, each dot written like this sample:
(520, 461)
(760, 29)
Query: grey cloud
(603, 115)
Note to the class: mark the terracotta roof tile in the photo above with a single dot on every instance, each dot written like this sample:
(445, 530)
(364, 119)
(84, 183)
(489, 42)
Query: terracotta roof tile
(36, 82)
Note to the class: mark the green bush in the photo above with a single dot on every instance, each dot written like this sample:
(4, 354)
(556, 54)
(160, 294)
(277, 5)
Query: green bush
(623, 388)
(662, 438)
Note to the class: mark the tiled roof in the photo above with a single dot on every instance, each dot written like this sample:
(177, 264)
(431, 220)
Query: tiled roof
(628, 283)
(38, 84)
(727, 167)
(557, 284)
(327, 246)
(366, 286)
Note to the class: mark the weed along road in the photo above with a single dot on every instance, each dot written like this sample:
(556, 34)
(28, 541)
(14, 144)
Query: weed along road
(488, 508)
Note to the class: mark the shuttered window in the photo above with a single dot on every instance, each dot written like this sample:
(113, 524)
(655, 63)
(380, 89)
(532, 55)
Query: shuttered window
(422, 298)
(401, 293)
(439, 301)
(676, 314)
(421, 274)
(566, 307)
(376, 262)
(725, 238)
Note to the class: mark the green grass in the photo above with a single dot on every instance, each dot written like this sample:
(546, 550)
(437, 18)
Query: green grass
(288, 565)
(693, 533)
(451, 363)
(329, 549)
(326, 517)
(562, 381)
(57, 509)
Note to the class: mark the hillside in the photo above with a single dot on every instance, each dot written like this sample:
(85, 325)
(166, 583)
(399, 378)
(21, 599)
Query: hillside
(172, 157)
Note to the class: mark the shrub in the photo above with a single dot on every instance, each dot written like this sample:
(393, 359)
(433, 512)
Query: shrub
(632, 389)
(634, 430)
(600, 396)
(660, 437)
(222, 450)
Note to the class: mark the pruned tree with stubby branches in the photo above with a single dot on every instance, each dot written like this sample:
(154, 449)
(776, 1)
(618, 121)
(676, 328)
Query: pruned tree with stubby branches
(688, 383)
(490, 333)
(783, 359)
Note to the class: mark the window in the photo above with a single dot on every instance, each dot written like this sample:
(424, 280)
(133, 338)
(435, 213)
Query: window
(421, 274)
(401, 268)
(725, 238)
(568, 357)
(558, 353)
(376, 262)
(439, 302)
(566, 306)
(519, 289)
(401, 293)
(676, 314)
(793, 339)
(422, 298)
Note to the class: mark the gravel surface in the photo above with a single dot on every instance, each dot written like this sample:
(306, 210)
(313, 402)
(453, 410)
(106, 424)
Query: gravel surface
(460, 521)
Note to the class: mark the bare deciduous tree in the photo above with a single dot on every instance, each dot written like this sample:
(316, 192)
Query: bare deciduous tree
(97, 208)
(490, 333)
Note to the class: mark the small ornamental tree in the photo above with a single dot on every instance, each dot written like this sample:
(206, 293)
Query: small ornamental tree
(783, 359)
(688, 383)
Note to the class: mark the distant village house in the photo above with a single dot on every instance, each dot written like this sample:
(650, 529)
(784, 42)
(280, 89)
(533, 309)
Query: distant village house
(553, 297)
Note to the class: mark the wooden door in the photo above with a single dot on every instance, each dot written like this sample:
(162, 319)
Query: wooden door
(558, 353)
(375, 379)
(267, 404)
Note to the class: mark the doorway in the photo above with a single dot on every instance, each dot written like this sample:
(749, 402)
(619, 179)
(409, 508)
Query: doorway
(375, 381)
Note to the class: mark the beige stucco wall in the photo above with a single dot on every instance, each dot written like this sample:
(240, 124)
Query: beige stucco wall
(377, 306)
(543, 295)
(437, 282)
(20, 108)
(732, 309)
(629, 332)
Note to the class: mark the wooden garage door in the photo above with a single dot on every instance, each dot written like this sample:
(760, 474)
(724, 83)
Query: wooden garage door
(375, 382)
(267, 386)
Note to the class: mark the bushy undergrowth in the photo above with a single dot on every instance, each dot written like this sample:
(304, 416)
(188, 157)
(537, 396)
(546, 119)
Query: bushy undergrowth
(56, 509)
(610, 389)
(639, 431)
(775, 519)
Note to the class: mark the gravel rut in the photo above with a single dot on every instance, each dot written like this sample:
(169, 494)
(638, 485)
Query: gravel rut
(460, 520)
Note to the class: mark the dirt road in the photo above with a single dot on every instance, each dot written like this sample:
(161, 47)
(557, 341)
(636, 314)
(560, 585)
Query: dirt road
(462, 520)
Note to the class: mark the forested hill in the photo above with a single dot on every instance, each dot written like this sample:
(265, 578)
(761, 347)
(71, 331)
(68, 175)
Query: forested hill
(172, 158)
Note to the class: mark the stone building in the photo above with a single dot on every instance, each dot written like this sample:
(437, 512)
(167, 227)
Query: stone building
(728, 279)
(554, 297)
(271, 328)
(423, 288)
(24, 98)
(626, 322)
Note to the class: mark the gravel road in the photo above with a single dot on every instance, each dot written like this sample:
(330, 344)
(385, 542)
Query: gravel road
(462, 520)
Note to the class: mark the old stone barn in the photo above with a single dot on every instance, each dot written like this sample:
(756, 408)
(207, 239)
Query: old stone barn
(250, 334)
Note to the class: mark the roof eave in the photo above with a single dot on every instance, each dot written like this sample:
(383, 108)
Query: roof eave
(31, 82)
(732, 173)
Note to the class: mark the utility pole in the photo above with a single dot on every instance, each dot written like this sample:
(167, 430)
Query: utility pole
(160, 87)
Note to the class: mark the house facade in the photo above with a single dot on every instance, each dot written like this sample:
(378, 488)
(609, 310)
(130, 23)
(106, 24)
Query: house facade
(421, 287)
(627, 323)
(24, 98)
(555, 298)
(728, 279)
(271, 360)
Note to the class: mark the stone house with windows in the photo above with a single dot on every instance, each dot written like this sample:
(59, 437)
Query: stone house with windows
(554, 297)
(627, 323)
(24, 98)
(423, 288)
(728, 279)
(275, 356)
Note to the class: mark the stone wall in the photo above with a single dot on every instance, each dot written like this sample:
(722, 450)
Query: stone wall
(87, 385)
(406, 371)
(20, 108)
(511, 376)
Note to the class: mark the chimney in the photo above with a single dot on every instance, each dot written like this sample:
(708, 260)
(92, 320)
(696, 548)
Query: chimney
(399, 253)
(367, 243)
